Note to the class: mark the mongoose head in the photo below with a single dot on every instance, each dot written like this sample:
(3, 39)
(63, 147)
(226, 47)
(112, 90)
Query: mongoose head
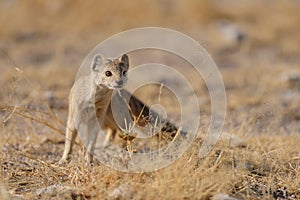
(110, 72)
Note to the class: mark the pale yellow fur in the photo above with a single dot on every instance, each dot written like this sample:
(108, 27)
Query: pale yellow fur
(93, 93)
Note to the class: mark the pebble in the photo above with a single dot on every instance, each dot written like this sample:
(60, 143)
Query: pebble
(222, 196)
(123, 192)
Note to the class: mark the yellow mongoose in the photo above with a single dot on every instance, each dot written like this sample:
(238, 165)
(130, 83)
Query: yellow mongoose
(93, 92)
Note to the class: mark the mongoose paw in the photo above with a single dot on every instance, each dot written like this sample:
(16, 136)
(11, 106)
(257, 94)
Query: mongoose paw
(183, 134)
(88, 159)
(62, 161)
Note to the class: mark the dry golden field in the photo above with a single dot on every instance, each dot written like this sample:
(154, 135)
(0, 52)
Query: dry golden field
(42, 44)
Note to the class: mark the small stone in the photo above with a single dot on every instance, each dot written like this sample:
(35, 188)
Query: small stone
(292, 78)
(232, 140)
(59, 191)
(123, 192)
(52, 189)
(226, 36)
(221, 196)
(231, 32)
(226, 139)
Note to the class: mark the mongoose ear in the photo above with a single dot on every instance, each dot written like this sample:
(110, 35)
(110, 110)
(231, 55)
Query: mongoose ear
(125, 60)
(97, 62)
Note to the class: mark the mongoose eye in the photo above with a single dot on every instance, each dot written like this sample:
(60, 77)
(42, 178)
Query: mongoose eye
(108, 73)
(124, 73)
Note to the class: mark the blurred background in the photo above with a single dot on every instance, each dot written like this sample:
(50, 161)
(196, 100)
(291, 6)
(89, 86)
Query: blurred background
(254, 43)
(65, 30)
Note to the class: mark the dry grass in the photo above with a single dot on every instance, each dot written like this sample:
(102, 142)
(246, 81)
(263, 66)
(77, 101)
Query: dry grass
(263, 102)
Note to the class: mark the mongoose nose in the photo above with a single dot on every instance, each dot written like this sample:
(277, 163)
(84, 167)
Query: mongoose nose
(120, 82)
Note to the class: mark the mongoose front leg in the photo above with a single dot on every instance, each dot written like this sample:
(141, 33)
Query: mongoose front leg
(92, 133)
(90, 149)
(91, 146)
(70, 139)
